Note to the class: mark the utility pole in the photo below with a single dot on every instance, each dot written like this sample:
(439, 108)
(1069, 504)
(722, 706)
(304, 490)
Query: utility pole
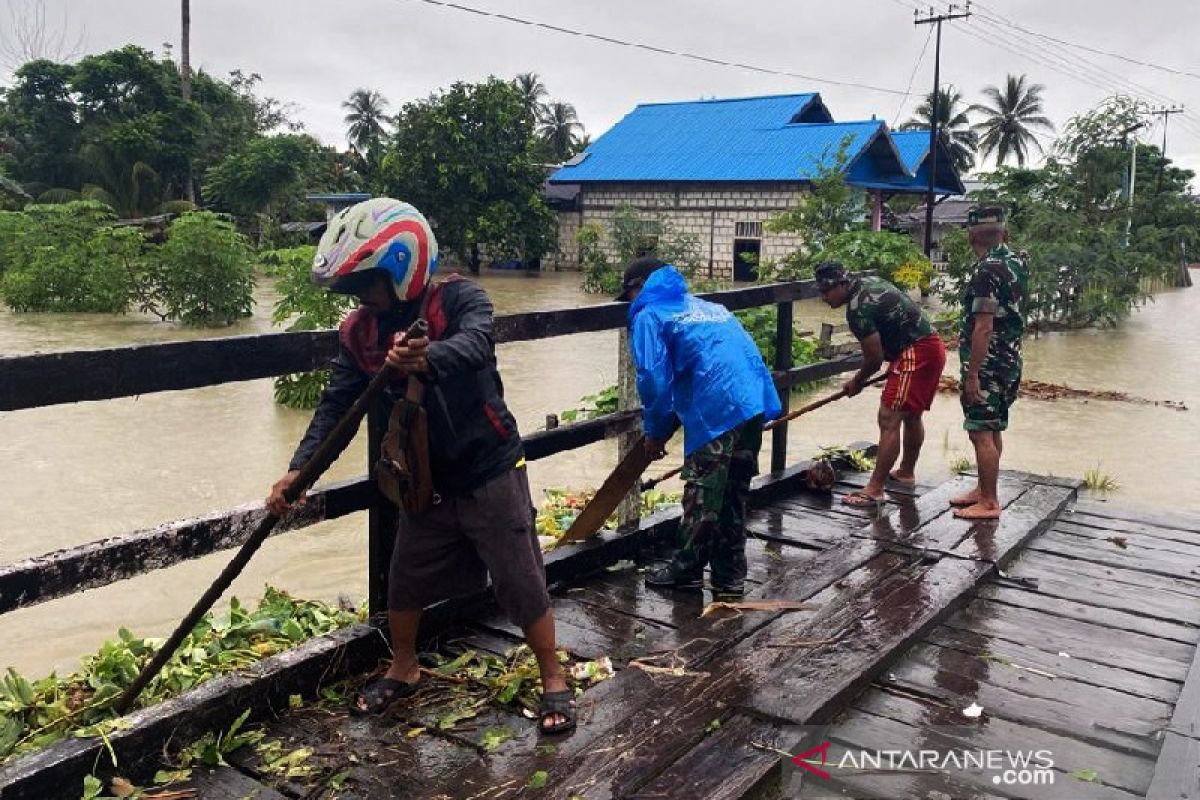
(1165, 113)
(1129, 180)
(935, 19)
(185, 77)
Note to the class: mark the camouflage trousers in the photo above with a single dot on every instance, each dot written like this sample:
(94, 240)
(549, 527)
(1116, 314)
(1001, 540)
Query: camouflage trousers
(999, 387)
(717, 485)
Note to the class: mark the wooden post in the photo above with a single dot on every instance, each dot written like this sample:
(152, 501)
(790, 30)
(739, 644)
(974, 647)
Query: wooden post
(877, 210)
(630, 510)
(783, 362)
(382, 521)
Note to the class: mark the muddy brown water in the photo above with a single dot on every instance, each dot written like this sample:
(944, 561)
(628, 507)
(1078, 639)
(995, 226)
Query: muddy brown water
(73, 474)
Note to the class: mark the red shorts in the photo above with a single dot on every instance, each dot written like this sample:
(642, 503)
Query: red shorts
(913, 376)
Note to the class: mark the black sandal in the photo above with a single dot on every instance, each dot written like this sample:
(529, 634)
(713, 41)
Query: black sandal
(380, 695)
(561, 703)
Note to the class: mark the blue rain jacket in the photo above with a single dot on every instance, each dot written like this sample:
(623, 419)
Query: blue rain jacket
(694, 360)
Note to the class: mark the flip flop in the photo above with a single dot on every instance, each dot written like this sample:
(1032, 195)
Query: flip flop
(861, 499)
(380, 695)
(561, 703)
(984, 515)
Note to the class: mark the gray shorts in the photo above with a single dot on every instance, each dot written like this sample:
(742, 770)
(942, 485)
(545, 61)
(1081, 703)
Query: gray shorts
(452, 549)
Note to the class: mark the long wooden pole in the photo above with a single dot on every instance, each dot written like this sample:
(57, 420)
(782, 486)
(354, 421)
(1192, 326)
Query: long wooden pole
(649, 484)
(326, 452)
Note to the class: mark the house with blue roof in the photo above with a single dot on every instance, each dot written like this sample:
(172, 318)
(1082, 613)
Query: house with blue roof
(718, 169)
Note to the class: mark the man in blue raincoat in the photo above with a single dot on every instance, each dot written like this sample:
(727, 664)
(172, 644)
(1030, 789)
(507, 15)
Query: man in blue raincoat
(696, 362)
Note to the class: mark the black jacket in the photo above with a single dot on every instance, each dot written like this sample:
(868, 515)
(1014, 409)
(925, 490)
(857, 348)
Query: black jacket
(472, 435)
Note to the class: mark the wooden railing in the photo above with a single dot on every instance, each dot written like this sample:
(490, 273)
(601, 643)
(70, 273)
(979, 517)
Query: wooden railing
(48, 379)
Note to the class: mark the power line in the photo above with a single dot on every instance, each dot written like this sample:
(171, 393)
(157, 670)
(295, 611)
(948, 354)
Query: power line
(911, 77)
(1078, 62)
(1097, 51)
(655, 49)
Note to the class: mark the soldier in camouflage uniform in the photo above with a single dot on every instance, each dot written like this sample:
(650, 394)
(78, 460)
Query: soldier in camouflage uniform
(989, 349)
(889, 326)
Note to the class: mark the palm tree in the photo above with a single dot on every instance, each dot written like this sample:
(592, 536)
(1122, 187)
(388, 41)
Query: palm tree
(557, 130)
(364, 122)
(953, 124)
(1008, 121)
(532, 90)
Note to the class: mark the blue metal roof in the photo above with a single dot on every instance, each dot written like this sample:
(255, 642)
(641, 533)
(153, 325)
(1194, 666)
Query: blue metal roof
(913, 147)
(749, 139)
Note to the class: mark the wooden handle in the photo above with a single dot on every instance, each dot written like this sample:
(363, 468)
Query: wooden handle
(320, 460)
(813, 406)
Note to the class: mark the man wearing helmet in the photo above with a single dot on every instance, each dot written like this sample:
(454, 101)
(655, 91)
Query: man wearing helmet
(482, 520)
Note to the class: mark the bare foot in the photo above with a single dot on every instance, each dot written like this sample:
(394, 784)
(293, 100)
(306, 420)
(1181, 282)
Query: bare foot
(903, 478)
(968, 499)
(979, 511)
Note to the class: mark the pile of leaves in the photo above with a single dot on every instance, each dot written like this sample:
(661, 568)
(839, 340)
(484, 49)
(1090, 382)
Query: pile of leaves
(562, 506)
(34, 714)
(846, 457)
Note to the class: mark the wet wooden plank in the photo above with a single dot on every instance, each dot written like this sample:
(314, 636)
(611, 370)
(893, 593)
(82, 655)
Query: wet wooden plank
(1100, 716)
(1085, 519)
(1097, 615)
(1161, 518)
(725, 765)
(944, 531)
(1025, 519)
(1124, 578)
(226, 783)
(1102, 591)
(592, 632)
(980, 646)
(804, 530)
(1107, 555)
(1177, 773)
(1145, 654)
(888, 721)
(1130, 539)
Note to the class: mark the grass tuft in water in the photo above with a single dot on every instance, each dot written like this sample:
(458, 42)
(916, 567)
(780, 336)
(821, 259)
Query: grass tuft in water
(1097, 481)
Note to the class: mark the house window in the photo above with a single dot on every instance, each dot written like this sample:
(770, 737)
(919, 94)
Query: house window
(748, 230)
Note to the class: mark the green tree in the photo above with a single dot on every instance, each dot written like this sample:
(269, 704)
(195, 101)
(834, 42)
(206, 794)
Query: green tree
(829, 207)
(466, 158)
(954, 126)
(365, 117)
(250, 183)
(39, 123)
(67, 258)
(631, 234)
(202, 274)
(302, 306)
(1008, 124)
(1072, 215)
(556, 127)
(533, 92)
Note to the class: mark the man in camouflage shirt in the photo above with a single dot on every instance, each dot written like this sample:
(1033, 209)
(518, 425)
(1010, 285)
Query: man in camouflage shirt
(989, 349)
(889, 326)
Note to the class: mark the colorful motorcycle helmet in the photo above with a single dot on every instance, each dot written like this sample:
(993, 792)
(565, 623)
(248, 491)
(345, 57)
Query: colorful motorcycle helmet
(383, 234)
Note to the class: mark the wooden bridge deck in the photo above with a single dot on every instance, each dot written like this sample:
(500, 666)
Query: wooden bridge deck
(1083, 644)
(1073, 625)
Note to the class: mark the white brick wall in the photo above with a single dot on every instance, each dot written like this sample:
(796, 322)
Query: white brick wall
(707, 212)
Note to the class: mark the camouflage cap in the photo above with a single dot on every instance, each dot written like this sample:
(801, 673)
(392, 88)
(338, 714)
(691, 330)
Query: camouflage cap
(829, 274)
(986, 215)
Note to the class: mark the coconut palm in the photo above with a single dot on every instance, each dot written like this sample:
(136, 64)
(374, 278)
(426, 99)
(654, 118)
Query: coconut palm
(532, 90)
(953, 123)
(1008, 120)
(557, 127)
(365, 119)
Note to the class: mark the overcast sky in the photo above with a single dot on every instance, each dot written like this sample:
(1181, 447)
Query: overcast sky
(314, 54)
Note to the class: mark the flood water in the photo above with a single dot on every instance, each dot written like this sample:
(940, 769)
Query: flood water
(77, 473)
